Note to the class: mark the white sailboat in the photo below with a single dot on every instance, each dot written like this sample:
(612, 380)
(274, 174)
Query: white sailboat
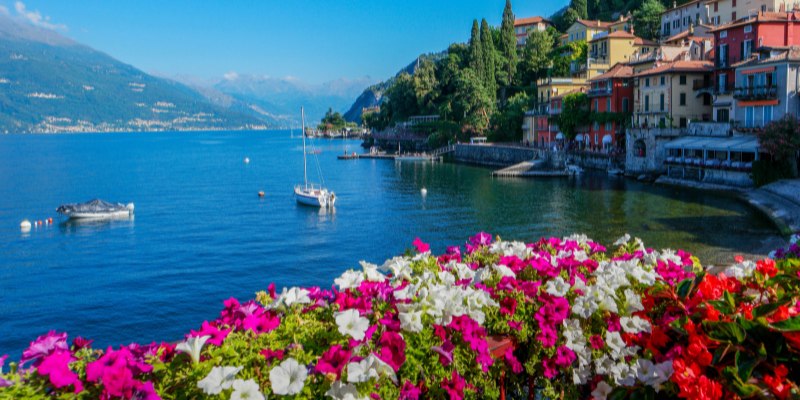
(308, 193)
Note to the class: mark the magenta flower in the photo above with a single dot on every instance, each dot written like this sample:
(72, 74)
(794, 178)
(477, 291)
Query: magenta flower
(564, 357)
(80, 343)
(44, 345)
(515, 325)
(481, 239)
(333, 361)
(508, 306)
(393, 349)
(4, 382)
(550, 369)
(56, 367)
(409, 391)
(597, 342)
(512, 361)
(261, 323)
(270, 354)
(547, 336)
(217, 335)
(116, 370)
(445, 352)
(454, 386)
(421, 246)
(613, 323)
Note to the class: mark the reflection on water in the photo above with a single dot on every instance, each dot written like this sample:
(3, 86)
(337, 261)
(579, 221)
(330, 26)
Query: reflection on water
(89, 225)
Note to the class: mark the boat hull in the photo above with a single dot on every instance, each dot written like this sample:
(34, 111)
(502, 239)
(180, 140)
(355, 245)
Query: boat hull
(314, 198)
(105, 215)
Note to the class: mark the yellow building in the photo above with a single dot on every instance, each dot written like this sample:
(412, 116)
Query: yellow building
(669, 95)
(721, 12)
(584, 29)
(524, 26)
(548, 88)
(624, 23)
(607, 49)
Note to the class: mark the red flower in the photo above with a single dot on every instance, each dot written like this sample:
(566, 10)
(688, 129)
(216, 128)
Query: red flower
(777, 383)
(779, 315)
(708, 389)
(698, 351)
(767, 267)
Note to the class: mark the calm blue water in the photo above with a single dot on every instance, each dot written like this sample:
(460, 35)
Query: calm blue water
(201, 234)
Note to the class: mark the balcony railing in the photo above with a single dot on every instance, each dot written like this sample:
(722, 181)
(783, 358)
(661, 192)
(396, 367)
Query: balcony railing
(756, 93)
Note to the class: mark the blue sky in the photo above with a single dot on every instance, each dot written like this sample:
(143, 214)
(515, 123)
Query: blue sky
(312, 40)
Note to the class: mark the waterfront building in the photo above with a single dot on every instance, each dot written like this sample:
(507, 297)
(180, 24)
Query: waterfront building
(721, 12)
(548, 88)
(610, 95)
(681, 18)
(524, 26)
(766, 88)
(695, 33)
(624, 24)
(672, 94)
(584, 29)
(742, 39)
(608, 49)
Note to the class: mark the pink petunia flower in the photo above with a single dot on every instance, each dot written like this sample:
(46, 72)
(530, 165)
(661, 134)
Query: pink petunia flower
(333, 361)
(421, 246)
(56, 367)
(44, 345)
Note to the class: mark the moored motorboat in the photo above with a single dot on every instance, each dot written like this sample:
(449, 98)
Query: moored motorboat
(96, 209)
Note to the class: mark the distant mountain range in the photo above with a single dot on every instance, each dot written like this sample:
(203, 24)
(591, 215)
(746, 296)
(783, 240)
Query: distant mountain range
(50, 83)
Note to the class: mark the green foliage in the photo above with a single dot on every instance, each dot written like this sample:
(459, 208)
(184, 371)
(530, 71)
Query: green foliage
(581, 7)
(563, 56)
(488, 50)
(574, 114)
(647, 19)
(766, 171)
(507, 48)
(507, 122)
(332, 121)
(781, 138)
(472, 101)
(476, 58)
(536, 55)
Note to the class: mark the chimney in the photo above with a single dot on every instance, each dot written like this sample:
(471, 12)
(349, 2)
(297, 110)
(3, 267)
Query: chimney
(674, 4)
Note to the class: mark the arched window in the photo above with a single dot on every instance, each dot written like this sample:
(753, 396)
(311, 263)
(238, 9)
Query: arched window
(639, 148)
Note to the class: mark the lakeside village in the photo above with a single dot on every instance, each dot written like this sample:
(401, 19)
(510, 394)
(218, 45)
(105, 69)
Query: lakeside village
(702, 94)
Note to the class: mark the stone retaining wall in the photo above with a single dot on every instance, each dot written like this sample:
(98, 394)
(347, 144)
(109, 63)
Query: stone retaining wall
(494, 156)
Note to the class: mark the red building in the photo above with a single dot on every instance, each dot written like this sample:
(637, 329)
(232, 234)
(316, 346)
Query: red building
(612, 93)
(738, 41)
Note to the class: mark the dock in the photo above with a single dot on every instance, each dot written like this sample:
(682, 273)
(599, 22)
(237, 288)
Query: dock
(529, 169)
(366, 156)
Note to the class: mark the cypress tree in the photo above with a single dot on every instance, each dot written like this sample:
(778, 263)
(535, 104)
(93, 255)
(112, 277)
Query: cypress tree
(476, 57)
(582, 7)
(508, 46)
(487, 47)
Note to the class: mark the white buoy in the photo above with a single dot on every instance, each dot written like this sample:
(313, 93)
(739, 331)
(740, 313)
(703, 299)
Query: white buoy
(247, 160)
(424, 191)
(25, 225)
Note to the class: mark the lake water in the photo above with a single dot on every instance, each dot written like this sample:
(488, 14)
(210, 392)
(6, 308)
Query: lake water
(201, 234)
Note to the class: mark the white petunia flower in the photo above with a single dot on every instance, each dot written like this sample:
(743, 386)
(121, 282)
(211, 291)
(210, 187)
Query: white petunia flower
(634, 324)
(246, 390)
(633, 302)
(219, 379)
(352, 324)
(623, 240)
(350, 279)
(503, 270)
(288, 378)
(601, 391)
(292, 296)
(653, 375)
(371, 272)
(557, 287)
(368, 368)
(344, 391)
(193, 346)
(616, 344)
(411, 321)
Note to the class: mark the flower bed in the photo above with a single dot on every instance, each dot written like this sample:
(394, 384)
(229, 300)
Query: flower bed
(561, 317)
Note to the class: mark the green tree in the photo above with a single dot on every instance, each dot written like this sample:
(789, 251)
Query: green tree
(581, 7)
(332, 121)
(401, 100)
(567, 19)
(575, 53)
(426, 87)
(476, 58)
(506, 124)
(472, 105)
(487, 47)
(574, 114)
(536, 56)
(507, 48)
(647, 19)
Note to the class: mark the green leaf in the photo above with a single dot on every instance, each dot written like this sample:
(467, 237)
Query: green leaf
(767, 309)
(685, 287)
(788, 325)
(728, 332)
(736, 385)
(722, 306)
(729, 299)
(745, 364)
(618, 394)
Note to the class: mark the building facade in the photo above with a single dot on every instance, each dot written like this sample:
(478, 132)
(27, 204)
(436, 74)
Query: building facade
(611, 96)
(524, 26)
(671, 96)
(721, 12)
(608, 49)
(679, 19)
(766, 89)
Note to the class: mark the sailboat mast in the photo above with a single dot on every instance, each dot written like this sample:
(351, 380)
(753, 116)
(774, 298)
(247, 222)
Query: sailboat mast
(303, 133)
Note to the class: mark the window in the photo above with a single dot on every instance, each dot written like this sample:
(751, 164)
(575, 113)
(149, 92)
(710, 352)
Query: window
(748, 117)
(733, 16)
(747, 48)
(663, 80)
(748, 28)
(596, 126)
(716, 8)
(733, 3)
(596, 105)
(683, 79)
(723, 34)
(767, 114)
(609, 127)
(646, 103)
(624, 105)
(647, 82)
(722, 83)
(639, 148)
(683, 123)
(661, 102)
(723, 115)
(683, 99)
(722, 56)
(608, 105)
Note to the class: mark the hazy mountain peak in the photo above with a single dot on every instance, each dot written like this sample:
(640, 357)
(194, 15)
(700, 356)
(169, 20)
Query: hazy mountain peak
(17, 28)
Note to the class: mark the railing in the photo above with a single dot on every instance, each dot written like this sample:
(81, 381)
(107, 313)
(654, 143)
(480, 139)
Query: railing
(756, 93)
(443, 150)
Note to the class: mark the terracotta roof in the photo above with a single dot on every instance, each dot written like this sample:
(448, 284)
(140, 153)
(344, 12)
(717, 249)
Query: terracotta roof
(679, 66)
(619, 70)
(625, 35)
(644, 42)
(594, 24)
(760, 18)
(530, 21)
(687, 35)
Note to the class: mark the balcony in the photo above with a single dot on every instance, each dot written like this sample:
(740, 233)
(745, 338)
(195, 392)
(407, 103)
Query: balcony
(606, 91)
(543, 109)
(756, 93)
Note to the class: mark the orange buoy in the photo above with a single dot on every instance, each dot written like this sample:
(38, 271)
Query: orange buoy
(50, 220)
(261, 194)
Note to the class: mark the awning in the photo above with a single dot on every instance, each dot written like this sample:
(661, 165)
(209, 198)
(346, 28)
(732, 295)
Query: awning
(560, 136)
(606, 139)
(579, 138)
(773, 102)
(747, 144)
(756, 70)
